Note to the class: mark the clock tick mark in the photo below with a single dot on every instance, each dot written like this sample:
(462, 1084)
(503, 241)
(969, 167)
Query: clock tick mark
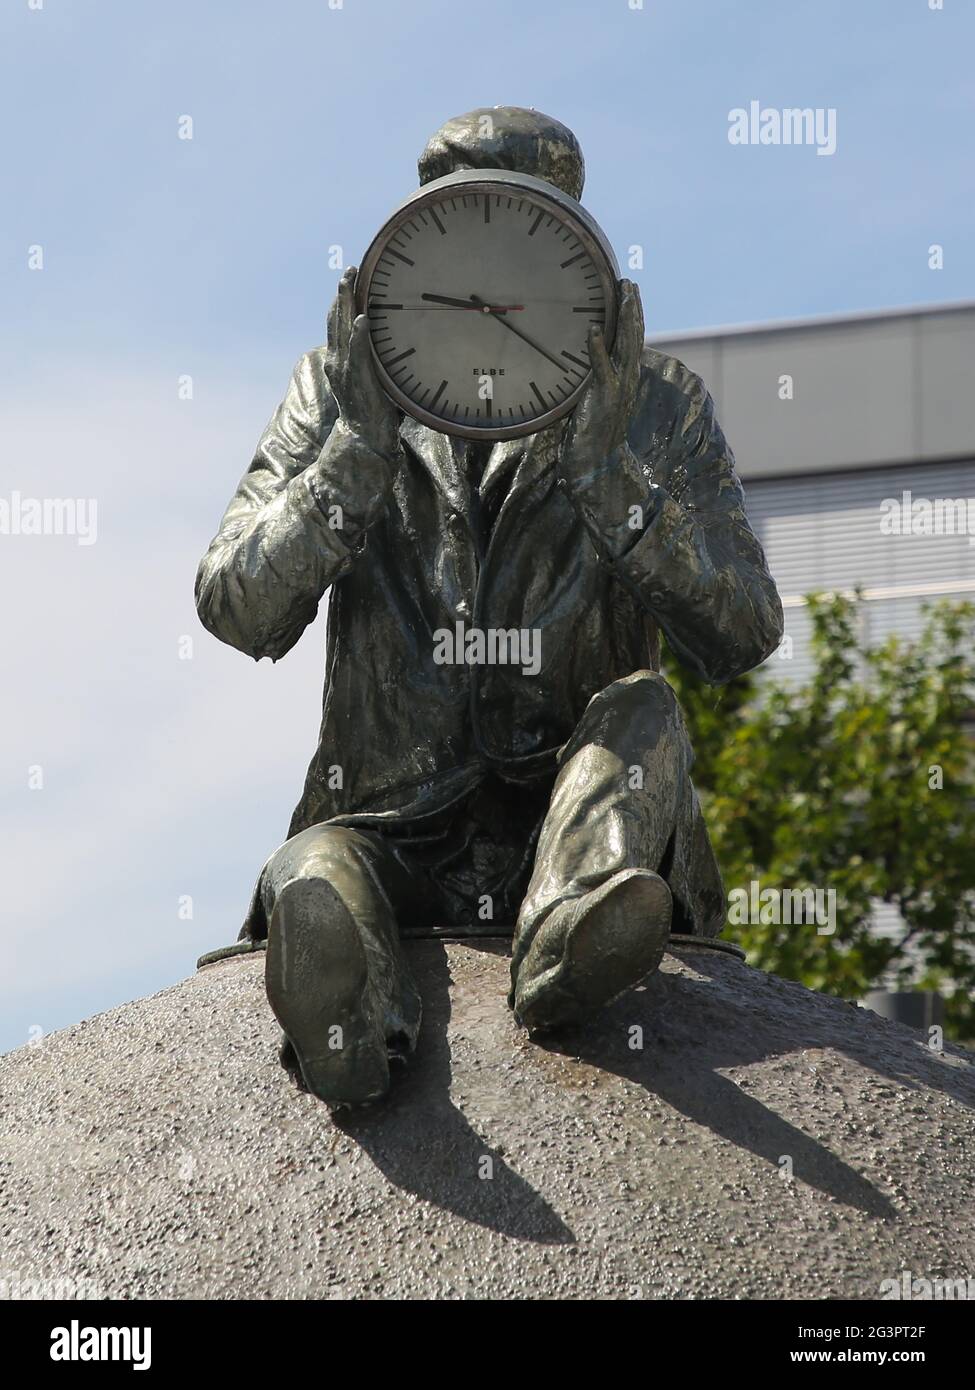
(538, 395)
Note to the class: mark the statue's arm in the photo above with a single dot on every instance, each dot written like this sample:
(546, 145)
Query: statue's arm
(666, 511)
(295, 523)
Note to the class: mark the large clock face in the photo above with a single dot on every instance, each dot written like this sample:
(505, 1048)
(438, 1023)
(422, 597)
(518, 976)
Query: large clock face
(480, 292)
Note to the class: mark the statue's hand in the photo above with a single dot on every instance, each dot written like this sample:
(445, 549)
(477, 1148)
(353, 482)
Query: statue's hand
(363, 405)
(598, 424)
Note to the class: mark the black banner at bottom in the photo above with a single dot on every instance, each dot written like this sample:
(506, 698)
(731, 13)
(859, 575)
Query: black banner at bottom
(163, 1339)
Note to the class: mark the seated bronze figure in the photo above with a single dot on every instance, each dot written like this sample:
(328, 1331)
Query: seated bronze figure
(552, 795)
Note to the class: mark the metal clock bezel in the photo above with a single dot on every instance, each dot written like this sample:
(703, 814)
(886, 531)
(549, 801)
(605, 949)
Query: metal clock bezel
(491, 181)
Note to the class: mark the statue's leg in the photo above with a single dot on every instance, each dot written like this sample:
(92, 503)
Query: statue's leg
(336, 976)
(598, 910)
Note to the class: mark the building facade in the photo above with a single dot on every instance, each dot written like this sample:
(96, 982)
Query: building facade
(854, 438)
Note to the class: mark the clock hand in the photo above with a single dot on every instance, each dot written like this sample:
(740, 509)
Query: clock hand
(480, 304)
(466, 304)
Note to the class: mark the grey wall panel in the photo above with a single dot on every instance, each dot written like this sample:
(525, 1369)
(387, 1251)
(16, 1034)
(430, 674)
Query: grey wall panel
(852, 404)
(868, 391)
(946, 386)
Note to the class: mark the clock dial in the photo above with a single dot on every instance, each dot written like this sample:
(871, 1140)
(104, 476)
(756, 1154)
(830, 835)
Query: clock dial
(480, 294)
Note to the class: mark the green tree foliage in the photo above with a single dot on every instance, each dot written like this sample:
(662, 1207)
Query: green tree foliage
(860, 780)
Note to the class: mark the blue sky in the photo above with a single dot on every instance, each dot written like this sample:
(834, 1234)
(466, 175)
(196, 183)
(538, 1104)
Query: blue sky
(209, 257)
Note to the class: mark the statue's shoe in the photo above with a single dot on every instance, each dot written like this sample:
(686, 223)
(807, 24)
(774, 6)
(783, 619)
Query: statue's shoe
(317, 981)
(592, 949)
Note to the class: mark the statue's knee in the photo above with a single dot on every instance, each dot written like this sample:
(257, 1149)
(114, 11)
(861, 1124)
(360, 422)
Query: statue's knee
(654, 689)
(635, 698)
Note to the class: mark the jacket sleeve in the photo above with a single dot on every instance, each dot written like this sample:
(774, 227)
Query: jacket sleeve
(667, 515)
(296, 522)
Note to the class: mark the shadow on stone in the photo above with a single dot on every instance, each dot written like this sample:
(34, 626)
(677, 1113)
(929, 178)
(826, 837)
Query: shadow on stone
(690, 1032)
(694, 1026)
(423, 1144)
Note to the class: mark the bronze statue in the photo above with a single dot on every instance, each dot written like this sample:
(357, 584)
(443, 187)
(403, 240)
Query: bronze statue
(555, 795)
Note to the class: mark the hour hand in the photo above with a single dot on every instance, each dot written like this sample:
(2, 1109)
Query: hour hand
(466, 304)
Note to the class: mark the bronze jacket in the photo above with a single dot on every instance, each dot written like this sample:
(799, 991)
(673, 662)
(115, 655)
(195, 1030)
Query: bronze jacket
(573, 562)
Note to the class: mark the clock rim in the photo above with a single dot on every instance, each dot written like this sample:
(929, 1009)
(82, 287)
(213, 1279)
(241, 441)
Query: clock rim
(592, 237)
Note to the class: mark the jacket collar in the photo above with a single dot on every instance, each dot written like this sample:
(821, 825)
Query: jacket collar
(517, 462)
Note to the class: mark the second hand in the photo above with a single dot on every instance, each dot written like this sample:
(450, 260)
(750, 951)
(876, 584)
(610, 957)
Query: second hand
(486, 308)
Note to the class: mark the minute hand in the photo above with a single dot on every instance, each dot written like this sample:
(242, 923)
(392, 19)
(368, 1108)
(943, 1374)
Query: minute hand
(481, 304)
